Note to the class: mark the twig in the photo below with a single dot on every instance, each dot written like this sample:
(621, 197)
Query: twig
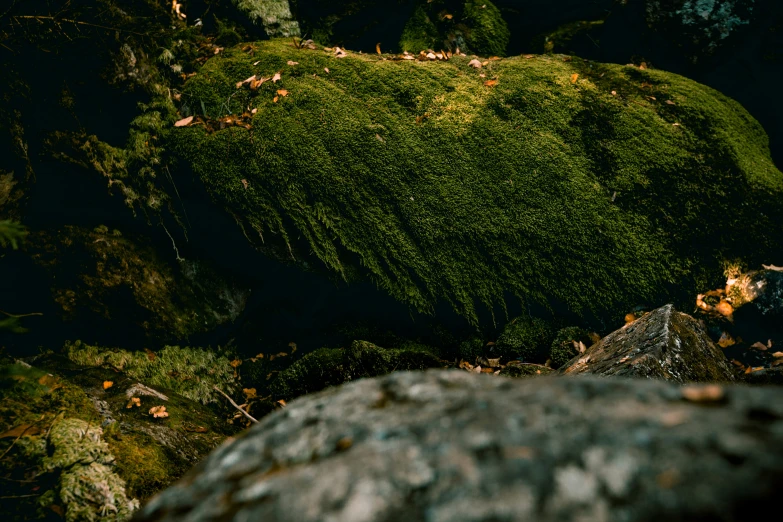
(22, 496)
(246, 414)
(20, 315)
(77, 22)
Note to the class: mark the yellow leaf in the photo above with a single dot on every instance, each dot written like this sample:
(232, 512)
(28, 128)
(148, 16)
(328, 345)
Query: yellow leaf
(490, 83)
(135, 401)
(107, 385)
(282, 92)
(378, 48)
(275, 99)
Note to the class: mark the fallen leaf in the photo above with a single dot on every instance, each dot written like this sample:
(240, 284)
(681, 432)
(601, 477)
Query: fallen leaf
(759, 346)
(726, 340)
(245, 183)
(292, 345)
(475, 64)
(276, 77)
(527, 56)
(706, 393)
(158, 412)
(250, 393)
(339, 53)
(629, 318)
(465, 365)
(477, 369)
(378, 48)
(777, 354)
(107, 385)
(724, 308)
(184, 121)
(282, 403)
(254, 111)
(582, 348)
(643, 66)
(614, 93)
(448, 16)
(292, 63)
(282, 92)
(274, 100)
(574, 77)
(773, 267)
(134, 401)
(235, 363)
(490, 83)
(669, 102)
(326, 69)
(22, 429)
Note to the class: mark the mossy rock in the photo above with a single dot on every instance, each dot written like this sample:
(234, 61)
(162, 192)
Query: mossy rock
(563, 349)
(585, 187)
(524, 338)
(70, 415)
(487, 32)
(420, 32)
(334, 366)
(105, 282)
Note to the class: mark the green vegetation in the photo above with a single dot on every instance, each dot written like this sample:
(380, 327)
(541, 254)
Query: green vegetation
(487, 33)
(334, 366)
(523, 338)
(190, 372)
(563, 349)
(419, 33)
(589, 193)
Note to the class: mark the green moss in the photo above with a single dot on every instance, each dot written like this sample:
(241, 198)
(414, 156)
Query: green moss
(488, 34)
(523, 338)
(419, 177)
(334, 366)
(190, 372)
(563, 349)
(419, 33)
(525, 370)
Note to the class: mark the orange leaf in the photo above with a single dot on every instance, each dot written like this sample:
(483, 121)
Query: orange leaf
(235, 362)
(378, 48)
(135, 401)
(107, 385)
(574, 77)
(158, 412)
(707, 393)
(275, 99)
(184, 122)
(282, 92)
(490, 83)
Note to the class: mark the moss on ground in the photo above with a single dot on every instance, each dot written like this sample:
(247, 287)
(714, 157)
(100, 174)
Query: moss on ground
(334, 366)
(190, 372)
(588, 193)
(563, 349)
(524, 338)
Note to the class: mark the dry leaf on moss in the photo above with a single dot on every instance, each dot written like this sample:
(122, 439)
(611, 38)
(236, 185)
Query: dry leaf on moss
(475, 64)
(276, 78)
(490, 83)
(134, 401)
(292, 63)
(574, 77)
(107, 384)
(184, 122)
(158, 412)
(282, 92)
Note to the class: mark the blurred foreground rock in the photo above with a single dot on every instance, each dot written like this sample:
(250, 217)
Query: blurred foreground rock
(446, 445)
(663, 344)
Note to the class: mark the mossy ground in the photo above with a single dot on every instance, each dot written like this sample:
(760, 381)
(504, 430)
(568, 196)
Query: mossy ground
(190, 372)
(589, 193)
(333, 366)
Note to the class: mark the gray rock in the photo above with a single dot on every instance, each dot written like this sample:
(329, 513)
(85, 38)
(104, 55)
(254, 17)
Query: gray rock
(663, 344)
(453, 446)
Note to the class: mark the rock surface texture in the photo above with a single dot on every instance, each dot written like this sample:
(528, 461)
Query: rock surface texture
(663, 344)
(441, 446)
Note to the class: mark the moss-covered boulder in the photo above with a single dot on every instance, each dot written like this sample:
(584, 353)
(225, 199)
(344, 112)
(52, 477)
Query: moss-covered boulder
(81, 442)
(334, 366)
(117, 289)
(566, 345)
(583, 186)
(524, 338)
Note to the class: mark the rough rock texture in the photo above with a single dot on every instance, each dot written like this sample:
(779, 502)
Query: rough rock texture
(663, 344)
(761, 291)
(437, 187)
(451, 446)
